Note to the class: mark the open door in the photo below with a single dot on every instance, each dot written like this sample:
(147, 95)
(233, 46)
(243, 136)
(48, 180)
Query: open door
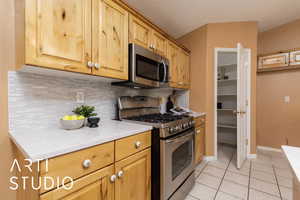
(242, 64)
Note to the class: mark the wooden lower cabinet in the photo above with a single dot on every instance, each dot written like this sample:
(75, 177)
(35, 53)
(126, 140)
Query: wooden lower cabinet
(95, 172)
(96, 186)
(199, 139)
(134, 177)
(199, 144)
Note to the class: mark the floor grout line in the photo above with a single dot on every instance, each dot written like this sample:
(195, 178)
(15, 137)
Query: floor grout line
(277, 182)
(248, 196)
(223, 176)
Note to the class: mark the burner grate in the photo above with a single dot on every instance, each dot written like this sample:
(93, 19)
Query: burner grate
(157, 118)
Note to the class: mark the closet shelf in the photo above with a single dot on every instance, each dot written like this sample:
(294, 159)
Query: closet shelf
(226, 95)
(227, 66)
(227, 80)
(227, 126)
(226, 109)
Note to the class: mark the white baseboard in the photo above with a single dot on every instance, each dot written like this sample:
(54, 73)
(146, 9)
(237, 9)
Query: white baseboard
(210, 158)
(251, 156)
(268, 149)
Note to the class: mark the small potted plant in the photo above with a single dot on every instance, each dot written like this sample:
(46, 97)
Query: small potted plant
(87, 112)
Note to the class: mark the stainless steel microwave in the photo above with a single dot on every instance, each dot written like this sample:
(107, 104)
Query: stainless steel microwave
(146, 69)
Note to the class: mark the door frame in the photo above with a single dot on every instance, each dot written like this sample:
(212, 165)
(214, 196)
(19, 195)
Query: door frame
(248, 114)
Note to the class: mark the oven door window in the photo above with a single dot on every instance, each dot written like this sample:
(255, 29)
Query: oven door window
(147, 68)
(182, 158)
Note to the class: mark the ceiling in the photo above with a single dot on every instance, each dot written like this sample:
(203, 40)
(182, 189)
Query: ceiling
(178, 17)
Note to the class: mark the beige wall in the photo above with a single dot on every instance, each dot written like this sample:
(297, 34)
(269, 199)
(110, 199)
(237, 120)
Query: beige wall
(222, 35)
(6, 60)
(196, 42)
(278, 122)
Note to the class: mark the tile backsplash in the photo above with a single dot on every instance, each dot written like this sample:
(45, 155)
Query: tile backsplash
(40, 100)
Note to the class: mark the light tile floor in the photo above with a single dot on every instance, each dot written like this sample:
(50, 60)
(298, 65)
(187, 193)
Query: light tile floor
(268, 177)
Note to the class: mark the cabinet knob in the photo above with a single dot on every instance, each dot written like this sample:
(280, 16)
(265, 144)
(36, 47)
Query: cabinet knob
(120, 174)
(198, 131)
(97, 66)
(113, 178)
(86, 163)
(138, 144)
(90, 64)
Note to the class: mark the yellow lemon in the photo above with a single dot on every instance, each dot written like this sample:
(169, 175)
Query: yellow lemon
(67, 117)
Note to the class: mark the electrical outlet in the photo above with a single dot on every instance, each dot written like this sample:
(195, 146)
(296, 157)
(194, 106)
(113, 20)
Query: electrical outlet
(287, 99)
(80, 97)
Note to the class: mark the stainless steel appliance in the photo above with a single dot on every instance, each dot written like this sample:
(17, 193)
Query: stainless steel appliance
(146, 69)
(172, 146)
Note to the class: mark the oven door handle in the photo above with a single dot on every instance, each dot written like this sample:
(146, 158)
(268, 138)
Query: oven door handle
(180, 138)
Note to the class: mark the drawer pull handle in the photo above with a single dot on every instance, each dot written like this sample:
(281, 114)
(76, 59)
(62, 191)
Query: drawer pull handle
(138, 144)
(198, 131)
(90, 64)
(113, 178)
(86, 163)
(97, 66)
(120, 174)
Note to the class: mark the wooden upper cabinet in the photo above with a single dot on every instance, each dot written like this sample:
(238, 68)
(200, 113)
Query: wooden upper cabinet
(186, 70)
(139, 32)
(142, 34)
(135, 177)
(58, 34)
(159, 43)
(183, 70)
(273, 61)
(179, 66)
(95, 186)
(110, 39)
(173, 56)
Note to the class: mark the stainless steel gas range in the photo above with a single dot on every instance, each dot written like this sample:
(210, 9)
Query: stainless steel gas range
(172, 146)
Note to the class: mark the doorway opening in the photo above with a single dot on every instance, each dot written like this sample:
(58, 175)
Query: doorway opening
(232, 101)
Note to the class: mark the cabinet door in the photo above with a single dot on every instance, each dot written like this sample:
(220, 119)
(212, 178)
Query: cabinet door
(181, 69)
(186, 70)
(277, 60)
(139, 32)
(96, 186)
(159, 43)
(58, 34)
(173, 56)
(134, 182)
(110, 39)
(199, 144)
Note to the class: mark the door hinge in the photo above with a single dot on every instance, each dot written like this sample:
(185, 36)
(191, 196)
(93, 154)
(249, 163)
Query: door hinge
(247, 142)
(247, 102)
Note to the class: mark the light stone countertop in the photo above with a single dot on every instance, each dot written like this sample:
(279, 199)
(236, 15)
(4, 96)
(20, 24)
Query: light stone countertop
(40, 144)
(293, 156)
(197, 114)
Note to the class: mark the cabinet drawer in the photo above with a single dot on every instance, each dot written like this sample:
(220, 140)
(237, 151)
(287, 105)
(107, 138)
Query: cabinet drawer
(130, 145)
(79, 163)
(199, 121)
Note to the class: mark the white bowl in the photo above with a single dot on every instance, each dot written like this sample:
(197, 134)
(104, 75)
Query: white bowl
(71, 124)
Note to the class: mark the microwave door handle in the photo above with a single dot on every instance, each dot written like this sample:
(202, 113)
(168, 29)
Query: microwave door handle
(165, 71)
